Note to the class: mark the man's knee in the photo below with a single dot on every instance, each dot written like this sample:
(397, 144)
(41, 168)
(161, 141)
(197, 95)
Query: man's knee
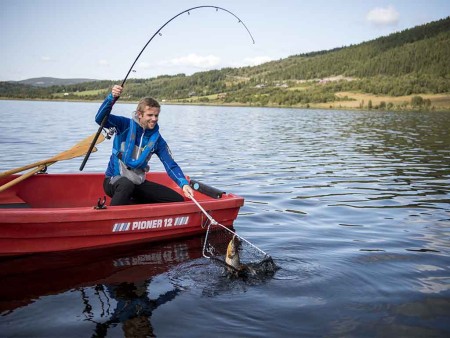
(123, 184)
(123, 189)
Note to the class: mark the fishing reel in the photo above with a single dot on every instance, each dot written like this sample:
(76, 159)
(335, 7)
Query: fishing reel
(109, 132)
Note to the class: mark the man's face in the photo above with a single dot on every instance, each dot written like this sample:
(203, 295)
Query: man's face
(149, 117)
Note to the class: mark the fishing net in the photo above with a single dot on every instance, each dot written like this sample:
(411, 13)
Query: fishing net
(224, 246)
(250, 262)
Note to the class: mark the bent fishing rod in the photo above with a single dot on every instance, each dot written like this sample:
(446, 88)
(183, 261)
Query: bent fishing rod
(105, 118)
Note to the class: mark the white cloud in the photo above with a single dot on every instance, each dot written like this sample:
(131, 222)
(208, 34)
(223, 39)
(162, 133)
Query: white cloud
(46, 59)
(194, 60)
(383, 16)
(103, 62)
(257, 60)
(144, 65)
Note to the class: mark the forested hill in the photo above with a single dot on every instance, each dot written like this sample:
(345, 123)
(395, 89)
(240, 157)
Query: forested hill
(414, 61)
(423, 50)
(50, 81)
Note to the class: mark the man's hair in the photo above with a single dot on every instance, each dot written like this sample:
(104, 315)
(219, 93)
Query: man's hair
(147, 101)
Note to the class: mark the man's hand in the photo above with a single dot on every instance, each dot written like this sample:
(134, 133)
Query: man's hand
(117, 90)
(188, 191)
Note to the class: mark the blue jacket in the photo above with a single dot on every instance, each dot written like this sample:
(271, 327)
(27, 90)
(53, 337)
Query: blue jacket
(122, 127)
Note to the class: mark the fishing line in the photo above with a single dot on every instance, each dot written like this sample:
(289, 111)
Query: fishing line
(158, 32)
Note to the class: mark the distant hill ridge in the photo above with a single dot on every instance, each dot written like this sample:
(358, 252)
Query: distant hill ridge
(410, 62)
(51, 81)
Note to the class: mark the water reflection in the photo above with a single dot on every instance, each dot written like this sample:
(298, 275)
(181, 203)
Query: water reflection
(133, 309)
(121, 272)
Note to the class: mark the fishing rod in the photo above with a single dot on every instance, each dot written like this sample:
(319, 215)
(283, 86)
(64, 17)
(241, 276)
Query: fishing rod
(105, 118)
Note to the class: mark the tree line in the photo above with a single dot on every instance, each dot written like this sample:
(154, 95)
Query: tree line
(414, 61)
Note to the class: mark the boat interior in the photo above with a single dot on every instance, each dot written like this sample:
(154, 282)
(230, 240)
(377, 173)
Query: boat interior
(63, 190)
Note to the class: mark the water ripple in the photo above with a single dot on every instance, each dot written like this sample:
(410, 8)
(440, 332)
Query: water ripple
(353, 206)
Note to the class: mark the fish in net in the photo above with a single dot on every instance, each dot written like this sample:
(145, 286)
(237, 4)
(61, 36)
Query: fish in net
(238, 256)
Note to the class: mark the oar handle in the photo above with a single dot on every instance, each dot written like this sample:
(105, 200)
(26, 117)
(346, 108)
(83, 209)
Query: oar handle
(77, 150)
(18, 170)
(22, 177)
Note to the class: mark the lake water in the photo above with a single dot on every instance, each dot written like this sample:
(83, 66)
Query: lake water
(354, 207)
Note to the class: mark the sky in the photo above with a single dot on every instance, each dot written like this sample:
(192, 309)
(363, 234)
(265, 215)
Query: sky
(100, 39)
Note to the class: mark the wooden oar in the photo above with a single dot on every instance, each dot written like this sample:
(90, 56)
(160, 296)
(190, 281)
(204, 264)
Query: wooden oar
(36, 170)
(79, 149)
(22, 177)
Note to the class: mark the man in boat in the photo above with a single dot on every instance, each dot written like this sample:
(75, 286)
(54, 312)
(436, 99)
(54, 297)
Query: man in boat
(136, 140)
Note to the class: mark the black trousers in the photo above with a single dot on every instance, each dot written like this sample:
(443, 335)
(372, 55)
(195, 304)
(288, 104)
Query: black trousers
(123, 192)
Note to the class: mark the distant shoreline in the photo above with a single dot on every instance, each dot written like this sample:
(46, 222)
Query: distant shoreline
(358, 102)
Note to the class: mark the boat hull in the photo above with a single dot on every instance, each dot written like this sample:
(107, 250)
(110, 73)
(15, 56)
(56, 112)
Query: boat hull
(57, 212)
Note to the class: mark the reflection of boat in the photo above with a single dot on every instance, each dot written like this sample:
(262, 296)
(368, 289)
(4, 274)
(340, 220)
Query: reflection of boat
(55, 212)
(24, 279)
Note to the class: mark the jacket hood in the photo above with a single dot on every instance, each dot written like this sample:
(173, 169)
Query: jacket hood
(134, 117)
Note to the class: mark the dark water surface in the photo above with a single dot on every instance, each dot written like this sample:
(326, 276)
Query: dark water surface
(353, 206)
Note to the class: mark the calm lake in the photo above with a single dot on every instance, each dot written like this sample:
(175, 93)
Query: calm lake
(354, 207)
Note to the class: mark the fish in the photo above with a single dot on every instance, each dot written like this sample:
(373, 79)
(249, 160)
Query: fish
(234, 266)
(232, 257)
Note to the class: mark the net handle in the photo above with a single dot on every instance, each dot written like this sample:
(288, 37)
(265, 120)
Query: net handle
(214, 222)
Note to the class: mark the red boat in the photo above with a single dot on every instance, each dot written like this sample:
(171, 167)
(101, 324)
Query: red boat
(59, 212)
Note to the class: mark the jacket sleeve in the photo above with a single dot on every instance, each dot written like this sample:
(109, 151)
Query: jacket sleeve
(113, 121)
(172, 168)
(105, 109)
